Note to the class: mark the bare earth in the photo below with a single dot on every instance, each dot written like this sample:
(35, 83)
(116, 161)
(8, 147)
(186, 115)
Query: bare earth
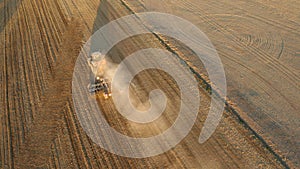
(258, 42)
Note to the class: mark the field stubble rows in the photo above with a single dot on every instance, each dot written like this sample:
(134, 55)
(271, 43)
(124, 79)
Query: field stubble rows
(39, 127)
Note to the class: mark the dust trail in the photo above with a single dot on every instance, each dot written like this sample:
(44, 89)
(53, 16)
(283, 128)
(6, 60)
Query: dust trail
(103, 67)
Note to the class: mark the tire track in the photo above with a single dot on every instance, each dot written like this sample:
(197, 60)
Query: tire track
(163, 40)
(288, 99)
(230, 34)
(24, 72)
(42, 132)
(51, 124)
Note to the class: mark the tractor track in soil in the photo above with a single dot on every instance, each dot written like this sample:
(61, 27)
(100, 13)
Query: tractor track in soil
(39, 127)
